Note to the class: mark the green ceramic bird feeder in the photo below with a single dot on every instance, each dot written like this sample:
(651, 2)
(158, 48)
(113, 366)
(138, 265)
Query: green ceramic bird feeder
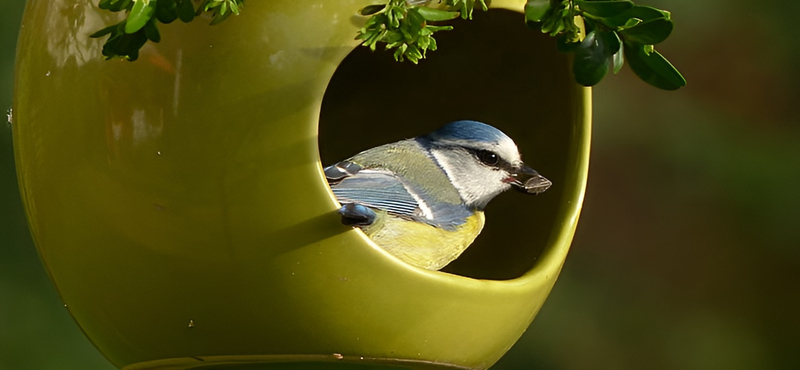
(179, 205)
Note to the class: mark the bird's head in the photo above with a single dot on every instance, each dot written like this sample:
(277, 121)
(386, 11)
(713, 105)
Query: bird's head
(482, 162)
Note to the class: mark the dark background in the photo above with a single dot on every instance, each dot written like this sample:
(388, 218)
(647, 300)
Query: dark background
(687, 252)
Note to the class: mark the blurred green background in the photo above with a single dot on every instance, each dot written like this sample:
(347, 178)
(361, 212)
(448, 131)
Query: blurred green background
(687, 252)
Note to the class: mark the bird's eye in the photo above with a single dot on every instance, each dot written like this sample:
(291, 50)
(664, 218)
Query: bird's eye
(488, 158)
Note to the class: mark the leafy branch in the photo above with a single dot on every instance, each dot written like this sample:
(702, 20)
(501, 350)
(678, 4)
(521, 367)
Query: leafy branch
(615, 30)
(140, 25)
(403, 25)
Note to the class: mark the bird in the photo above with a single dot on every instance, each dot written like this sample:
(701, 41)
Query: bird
(422, 199)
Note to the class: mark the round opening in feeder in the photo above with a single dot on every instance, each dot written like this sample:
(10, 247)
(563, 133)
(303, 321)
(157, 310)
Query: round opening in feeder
(490, 69)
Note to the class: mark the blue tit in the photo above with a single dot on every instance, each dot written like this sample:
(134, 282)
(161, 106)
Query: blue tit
(422, 199)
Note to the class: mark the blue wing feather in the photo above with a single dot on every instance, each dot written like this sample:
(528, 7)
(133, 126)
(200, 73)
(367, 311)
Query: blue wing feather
(381, 189)
(377, 189)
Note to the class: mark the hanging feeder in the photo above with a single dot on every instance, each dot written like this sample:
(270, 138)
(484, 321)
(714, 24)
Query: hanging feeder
(179, 206)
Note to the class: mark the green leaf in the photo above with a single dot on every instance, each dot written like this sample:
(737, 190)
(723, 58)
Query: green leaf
(604, 9)
(371, 9)
(185, 10)
(436, 15)
(372, 41)
(630, 23)
(219, 17)
(393, 36)
(644, 13)
(104, 31)
(223, 10)
(610, 40)
(234, 7)
(398, 54)
(550, 25)
(151, 31)
(415, 21)
(618, 60)
(167, 11)
(140, 14)
(648, 33)
(413, 54)
(373, 21)
(653, 68)
(432, 42)
(395, 15)
(439, 28)
(537, 11)
(124, 45)
(591, 60)
(423, 43)
(370, 38)
(465, 7)
(203, 7)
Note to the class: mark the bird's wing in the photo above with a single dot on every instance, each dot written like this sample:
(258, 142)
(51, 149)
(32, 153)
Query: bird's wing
(373, 188)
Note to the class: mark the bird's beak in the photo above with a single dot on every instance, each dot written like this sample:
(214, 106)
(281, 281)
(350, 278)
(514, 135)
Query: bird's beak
(526, 180)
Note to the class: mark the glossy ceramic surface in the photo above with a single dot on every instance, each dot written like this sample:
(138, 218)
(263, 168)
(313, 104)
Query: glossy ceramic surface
(179, 206)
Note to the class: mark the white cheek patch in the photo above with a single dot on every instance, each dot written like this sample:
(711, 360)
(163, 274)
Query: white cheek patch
(447, 166)
(475, 183)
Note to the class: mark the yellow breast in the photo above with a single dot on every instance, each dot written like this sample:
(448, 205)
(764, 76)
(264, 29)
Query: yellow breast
(423, 245)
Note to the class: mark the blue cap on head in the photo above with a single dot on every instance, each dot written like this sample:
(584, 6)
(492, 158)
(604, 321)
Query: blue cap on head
(470, 131)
